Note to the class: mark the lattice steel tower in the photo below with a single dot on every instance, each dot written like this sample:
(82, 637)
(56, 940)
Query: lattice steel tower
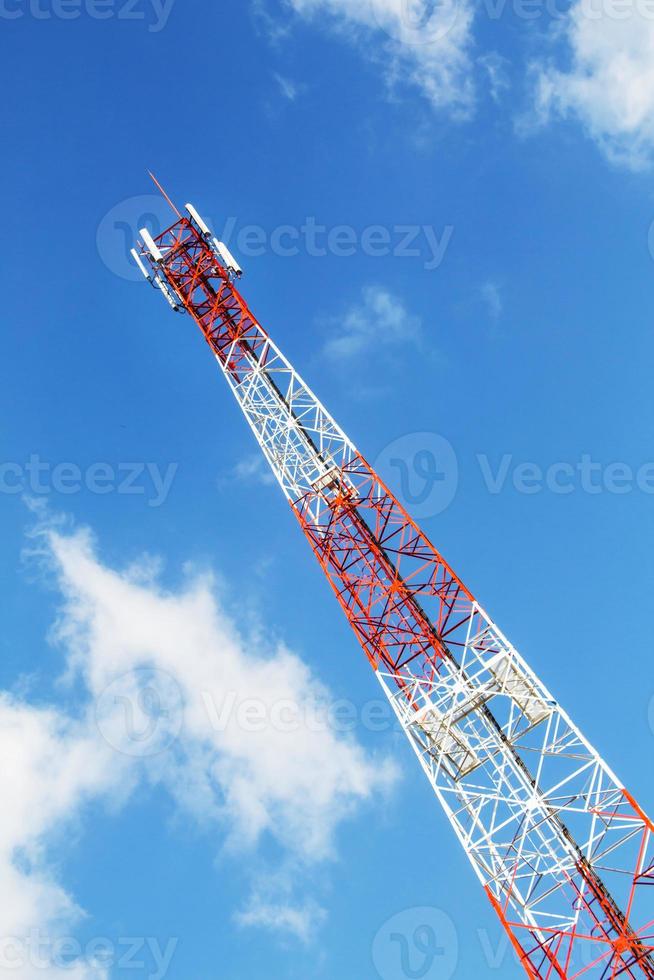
(561, 848)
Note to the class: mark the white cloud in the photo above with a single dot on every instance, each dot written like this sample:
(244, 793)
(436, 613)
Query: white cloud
(380, 319)
(609, 85)
(178, 695)
(492, 298)
(251, 469)
(51, 765)
(288, 88)
(257, 779)
(423, 44)
(270, 25)
(300, 921)
(274, 907)
(497, 72)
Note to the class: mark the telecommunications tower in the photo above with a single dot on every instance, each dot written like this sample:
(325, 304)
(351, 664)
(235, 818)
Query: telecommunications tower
(560, 846)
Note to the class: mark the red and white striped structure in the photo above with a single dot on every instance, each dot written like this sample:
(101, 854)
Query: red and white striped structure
(561, 848)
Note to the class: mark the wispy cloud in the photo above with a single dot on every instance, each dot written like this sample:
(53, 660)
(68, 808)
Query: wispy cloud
(52, 765)
(496, 68)
(492, 299)
(275, 907)
(275, 28)
(609, 86)
(419, 44)
(300, 920)
(380, 319)
(164, 677)
(253, 468)
(289, 89)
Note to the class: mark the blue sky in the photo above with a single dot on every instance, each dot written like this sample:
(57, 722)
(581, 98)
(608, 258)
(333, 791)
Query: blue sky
(505, 362)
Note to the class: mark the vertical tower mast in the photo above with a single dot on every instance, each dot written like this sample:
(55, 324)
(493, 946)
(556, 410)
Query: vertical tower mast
(561, 848)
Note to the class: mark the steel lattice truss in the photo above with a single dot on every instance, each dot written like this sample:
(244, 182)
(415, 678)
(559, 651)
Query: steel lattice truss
(562, 850)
